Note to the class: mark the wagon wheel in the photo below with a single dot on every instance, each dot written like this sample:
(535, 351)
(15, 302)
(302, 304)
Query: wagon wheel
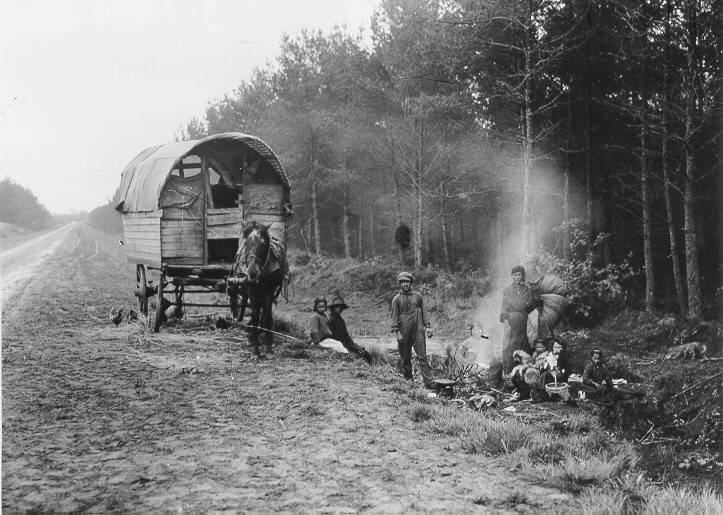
(142, 290)
(161, 305)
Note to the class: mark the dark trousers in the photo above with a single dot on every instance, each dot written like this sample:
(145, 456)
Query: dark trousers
(522, 387)
(412, 338)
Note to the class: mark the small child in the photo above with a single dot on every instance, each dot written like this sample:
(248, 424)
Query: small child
(319, 323)
(522, 362)
(540, 352)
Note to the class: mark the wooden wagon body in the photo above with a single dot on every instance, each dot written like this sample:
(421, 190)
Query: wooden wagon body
(183, 206)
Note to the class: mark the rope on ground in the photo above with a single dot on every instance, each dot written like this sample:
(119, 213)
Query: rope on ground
(274, 332)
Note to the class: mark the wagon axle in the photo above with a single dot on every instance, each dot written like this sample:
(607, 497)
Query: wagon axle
(149, 291)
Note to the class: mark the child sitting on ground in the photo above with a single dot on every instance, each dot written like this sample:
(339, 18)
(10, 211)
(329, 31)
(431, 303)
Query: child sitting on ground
(319, 323)
(522, 362)
(540, 352)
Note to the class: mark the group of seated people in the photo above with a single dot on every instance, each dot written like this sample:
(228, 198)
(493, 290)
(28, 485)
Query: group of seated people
(549, 363)
(331, 325)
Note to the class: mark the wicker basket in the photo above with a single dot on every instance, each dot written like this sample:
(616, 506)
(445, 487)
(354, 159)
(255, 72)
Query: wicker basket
(560, 389)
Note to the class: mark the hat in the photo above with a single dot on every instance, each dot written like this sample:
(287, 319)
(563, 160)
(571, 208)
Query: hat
(405, 276)
(319, 300)
(338, 301)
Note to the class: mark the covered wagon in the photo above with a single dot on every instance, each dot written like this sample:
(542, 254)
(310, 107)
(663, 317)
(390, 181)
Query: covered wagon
(184, 206)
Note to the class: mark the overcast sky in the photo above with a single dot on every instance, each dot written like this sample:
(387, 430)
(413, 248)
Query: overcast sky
(86, 85)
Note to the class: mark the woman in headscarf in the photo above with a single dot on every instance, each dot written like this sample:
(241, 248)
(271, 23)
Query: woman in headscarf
(516, 305)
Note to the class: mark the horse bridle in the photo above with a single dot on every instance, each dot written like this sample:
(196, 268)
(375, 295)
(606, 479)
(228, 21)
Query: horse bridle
(268, 254)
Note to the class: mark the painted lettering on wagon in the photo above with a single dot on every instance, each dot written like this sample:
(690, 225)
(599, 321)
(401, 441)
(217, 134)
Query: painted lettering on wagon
(224, 232)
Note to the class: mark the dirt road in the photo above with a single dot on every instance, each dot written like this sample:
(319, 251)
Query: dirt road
(21, 261)
(105, 419)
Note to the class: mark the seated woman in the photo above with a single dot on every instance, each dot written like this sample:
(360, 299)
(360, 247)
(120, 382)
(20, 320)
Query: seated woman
(596, 379)
(555, 366)
(319, 323)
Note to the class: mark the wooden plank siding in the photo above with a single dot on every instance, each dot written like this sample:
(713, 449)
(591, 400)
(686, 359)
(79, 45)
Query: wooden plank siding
(223, 224)
(142, 238)
(182, 241)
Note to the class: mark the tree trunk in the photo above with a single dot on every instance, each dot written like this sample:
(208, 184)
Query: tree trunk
(359, 224)
(315, 217)
(397, 195)
(372, 244)
(691, 251)
(647, 232)
(526, 153)
(345, 229)
(419, 191)
(345, 224)
(445, 227)
(315, 200)
(566, 186)
(675, 258)
(588, 147)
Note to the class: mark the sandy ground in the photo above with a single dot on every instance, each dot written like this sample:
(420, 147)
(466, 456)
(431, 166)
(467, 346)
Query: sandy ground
(105, 419)
(21, 261)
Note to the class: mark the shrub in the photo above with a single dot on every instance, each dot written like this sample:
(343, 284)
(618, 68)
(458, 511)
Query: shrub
(595, 290)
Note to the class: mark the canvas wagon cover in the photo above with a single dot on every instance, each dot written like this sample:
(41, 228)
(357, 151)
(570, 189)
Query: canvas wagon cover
(144, 177)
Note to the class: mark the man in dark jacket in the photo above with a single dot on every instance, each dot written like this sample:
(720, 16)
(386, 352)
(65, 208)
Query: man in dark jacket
(339, 331)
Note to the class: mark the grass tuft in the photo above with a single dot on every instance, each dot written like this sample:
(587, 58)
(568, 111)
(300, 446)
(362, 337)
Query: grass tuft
(450, 422)
(497, 437)
(421, 412)
(577, 474)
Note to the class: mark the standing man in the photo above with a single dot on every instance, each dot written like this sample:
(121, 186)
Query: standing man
(516, 305)
(339, 331)
(410, 325)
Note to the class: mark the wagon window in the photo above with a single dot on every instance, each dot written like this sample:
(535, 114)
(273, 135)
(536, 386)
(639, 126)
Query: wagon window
(214, 177)
(190, 166)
